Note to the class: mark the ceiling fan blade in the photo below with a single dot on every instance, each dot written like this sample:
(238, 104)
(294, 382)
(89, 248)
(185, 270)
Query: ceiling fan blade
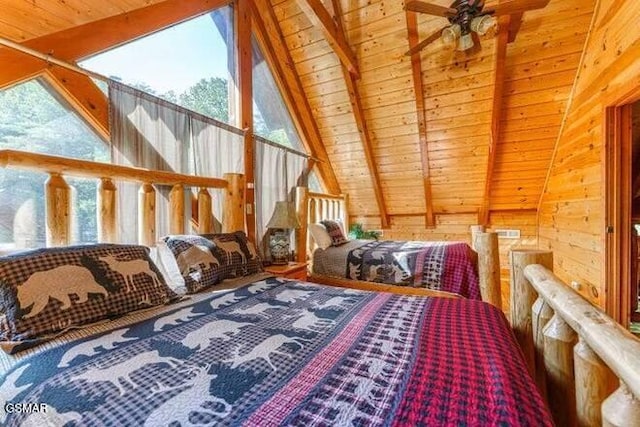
(418, 47)
(431, 9)
(510, 7)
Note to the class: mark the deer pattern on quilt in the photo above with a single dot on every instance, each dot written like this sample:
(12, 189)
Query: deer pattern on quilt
(171, 365)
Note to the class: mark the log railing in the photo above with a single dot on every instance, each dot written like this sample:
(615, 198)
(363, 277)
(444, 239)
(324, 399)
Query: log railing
(58, 196)
(586, 364)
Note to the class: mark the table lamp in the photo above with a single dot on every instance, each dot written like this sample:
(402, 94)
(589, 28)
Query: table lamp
(284, 218)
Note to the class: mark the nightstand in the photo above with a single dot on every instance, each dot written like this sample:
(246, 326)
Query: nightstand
(293, 270)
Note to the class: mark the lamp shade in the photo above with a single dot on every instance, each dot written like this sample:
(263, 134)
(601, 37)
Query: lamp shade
(466, 42)
(284, 216)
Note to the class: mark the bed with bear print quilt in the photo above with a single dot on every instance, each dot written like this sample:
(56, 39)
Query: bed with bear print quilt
(280, 352)
(442, 266)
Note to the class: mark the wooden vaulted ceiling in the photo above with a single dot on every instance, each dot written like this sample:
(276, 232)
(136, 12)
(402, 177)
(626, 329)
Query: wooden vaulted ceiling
(440, 132)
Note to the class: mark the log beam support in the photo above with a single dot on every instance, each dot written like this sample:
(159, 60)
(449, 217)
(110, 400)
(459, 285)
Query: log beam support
(147, 215)
(522, 298)
(58, 211)
(107, 231)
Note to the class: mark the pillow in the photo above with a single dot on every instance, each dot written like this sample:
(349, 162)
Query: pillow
(335, 232)
(163, 258)
(47, 291)
(198, 260)
(239, 254)
(320, 235)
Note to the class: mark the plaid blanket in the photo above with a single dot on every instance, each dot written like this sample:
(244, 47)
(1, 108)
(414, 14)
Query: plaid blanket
(442, 266)
(285, 353)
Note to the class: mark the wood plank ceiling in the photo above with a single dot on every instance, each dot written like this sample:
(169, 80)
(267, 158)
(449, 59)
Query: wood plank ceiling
(367, 112)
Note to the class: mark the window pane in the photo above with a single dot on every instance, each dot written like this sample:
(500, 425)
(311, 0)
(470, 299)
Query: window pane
(34, 118)
(271, 117)
(188, 64)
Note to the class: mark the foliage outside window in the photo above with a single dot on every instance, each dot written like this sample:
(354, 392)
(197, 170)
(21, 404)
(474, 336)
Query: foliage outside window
(34, 118)
(190, 64)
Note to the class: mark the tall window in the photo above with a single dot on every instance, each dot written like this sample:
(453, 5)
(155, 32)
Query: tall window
(34, 118)
(190, 64)
(270, 114)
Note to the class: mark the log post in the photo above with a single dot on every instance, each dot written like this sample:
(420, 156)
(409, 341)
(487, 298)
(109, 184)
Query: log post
(58, 211)
(523, 297)
(107, 231)
(559, 340)
(344, 210)
(233, 212)
(594, 382)
(475, 230)
(489, 268)
(302, 205)
(313, 218)
(205, 215)
(176, 207)
(621, 408)
(147, 215)
(541, 313)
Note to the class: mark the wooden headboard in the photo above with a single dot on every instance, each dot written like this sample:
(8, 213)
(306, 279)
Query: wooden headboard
(58, 211)
(315, 207)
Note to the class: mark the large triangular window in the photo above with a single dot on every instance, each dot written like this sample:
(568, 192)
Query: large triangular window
(34, 118)
(271, 117)
(190, 64)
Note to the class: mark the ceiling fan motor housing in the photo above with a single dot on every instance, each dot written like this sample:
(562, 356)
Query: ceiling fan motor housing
(467, 10)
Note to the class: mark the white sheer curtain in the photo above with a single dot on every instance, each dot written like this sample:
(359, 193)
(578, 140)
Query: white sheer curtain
(277, 172)
(216, 151)
(149, 132)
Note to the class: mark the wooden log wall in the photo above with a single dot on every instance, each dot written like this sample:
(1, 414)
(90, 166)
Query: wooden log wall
(571, 218)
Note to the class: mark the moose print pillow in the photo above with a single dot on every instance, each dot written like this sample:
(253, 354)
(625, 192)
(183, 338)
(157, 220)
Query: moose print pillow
(198, 260)
(47, 291)
(239, 256)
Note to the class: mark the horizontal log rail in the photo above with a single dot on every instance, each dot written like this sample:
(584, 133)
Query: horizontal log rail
(14, 159)
(59, 207)
(586, 364)
(326, 196)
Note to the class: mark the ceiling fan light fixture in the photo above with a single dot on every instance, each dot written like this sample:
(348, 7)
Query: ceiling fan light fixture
(482, 24)
(451, 34)
(466, 42)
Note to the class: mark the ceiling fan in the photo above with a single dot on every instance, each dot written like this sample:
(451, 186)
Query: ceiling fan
(467, 17)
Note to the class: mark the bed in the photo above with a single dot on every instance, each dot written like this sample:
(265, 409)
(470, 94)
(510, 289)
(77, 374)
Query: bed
(280, 352)
(442, 266)
(447, 267)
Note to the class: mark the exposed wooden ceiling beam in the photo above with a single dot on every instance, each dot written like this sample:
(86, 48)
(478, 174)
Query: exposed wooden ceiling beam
(416, 70)
(244, 82)
(514, 26)
(94, 37)
(496, 113)
(81, 92)
(361, 123)
(277, 54)
(319, 16)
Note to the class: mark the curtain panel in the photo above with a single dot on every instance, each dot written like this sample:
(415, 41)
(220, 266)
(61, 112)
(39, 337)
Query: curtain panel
(278, 170)
(150, 132)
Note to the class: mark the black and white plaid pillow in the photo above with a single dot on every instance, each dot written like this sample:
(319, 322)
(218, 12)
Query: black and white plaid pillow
(239, 254)
(199, 260)
(335, 232)
(47, 291)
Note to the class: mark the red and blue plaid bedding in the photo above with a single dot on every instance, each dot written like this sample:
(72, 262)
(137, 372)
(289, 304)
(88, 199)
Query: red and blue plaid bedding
(287, 353)
(442, 266)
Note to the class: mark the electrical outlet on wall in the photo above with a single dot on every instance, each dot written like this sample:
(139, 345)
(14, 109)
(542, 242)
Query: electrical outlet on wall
(508, 233)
